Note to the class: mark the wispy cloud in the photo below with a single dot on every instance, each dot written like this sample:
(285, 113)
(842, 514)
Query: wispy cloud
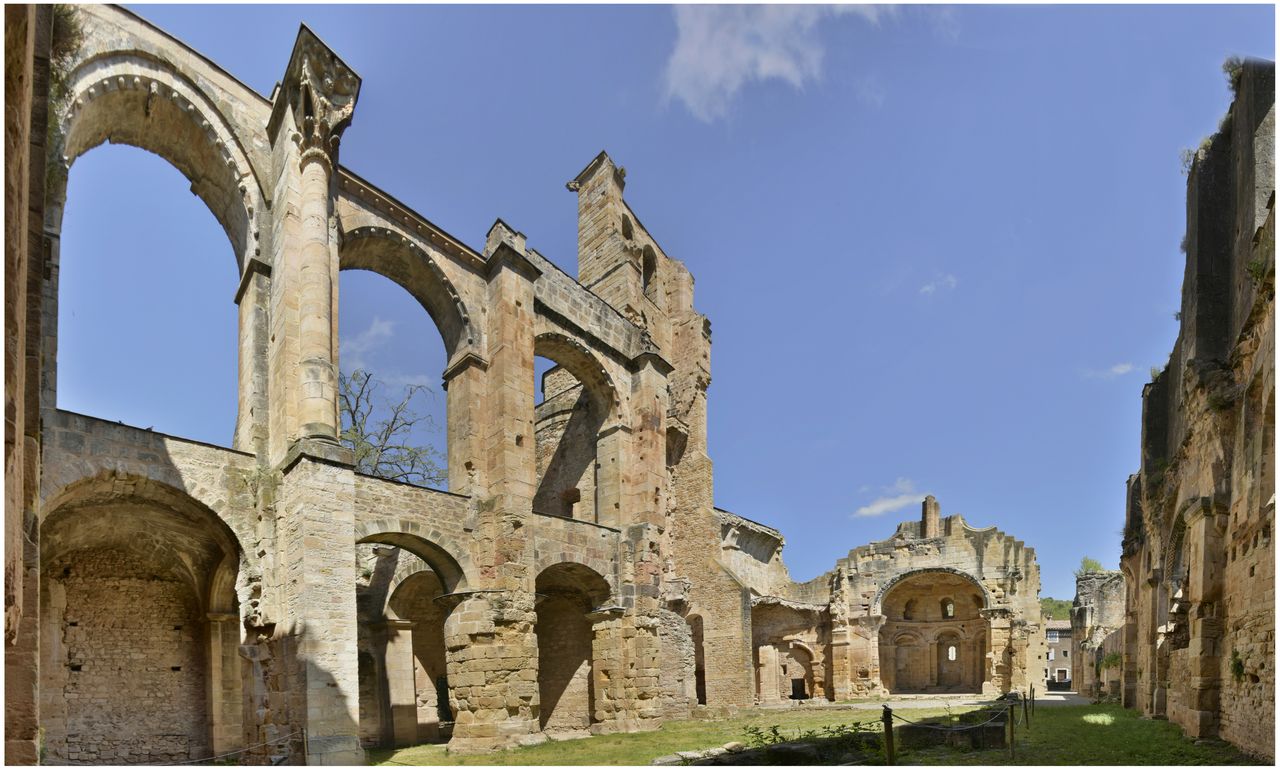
(902, 494)
(1116, 370)
(721, 48)
(941, 283)
(353, 352)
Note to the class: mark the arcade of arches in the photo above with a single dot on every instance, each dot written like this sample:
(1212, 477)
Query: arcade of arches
(168, 600)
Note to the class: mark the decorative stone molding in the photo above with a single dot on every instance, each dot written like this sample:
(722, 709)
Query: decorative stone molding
(322, 92)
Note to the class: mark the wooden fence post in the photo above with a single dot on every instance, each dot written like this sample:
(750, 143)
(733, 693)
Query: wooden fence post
(887, 716)
(1009, 717)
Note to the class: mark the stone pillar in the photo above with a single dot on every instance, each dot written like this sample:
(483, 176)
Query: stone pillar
(999, 652)
(509, 434)
(225, 683)
(398, 669)
(1205, 530)
(315, 508)
(611, 458)
(930, 518)
(863, 652)
(313, 106)
(608, 669)
(646, 474)
(492, 661)
(253, 299)
(839, 665)
(464, 384)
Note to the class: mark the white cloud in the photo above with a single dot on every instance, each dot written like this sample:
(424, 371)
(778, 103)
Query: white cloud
(947, 282)
(1116, 370)
(721, 48)
(353, 353)
(902, 494)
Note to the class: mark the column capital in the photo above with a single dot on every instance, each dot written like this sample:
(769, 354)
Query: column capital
(321, 91)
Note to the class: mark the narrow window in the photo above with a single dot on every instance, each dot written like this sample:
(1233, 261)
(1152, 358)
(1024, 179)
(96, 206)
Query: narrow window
(948, 608)
(951, 652)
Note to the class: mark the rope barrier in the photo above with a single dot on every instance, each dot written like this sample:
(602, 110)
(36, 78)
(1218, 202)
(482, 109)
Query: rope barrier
(943, 728)
(205, 759)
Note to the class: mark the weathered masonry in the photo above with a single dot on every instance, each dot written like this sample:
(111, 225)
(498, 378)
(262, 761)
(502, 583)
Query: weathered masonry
(1198, 551)
(1097, 633)
(167, 600)
(940, 607)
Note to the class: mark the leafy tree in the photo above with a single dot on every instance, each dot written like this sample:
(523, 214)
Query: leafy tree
(377, 431)
(1088, 565)
(1055, 609)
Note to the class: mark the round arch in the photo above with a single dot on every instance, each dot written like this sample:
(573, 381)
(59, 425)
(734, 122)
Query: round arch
(87, 511)
(579, 361)
(877, 604)
(437, 552)
(574, 577)
(129, 97)
(400, 259)
(130, 565)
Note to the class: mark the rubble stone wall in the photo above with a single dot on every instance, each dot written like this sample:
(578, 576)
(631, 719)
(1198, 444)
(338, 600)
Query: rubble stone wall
(1198, 556)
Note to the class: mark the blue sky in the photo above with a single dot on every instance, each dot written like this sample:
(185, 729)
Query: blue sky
(939, 246)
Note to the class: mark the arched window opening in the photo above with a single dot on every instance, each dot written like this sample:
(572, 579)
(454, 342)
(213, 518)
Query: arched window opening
(147, 330)
(392, 406)
(951, 652)
(649, 271)
(628, 231)
(575, 457)
(948, 609)
(909, 610)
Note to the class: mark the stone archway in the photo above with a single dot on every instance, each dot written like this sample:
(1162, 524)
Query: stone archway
(566, 595)
(934, 636)
(138, 619)
(403, 671)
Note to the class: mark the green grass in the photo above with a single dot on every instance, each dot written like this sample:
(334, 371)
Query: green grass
(1092, 735)
(1059, 735)
(640, 748)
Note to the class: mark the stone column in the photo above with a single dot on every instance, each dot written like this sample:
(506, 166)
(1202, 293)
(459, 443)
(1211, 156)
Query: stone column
(770, 675)
(402, 692)
(226, 707)
(608, 669)
(317, 308)
(313, 106)
(492, 662)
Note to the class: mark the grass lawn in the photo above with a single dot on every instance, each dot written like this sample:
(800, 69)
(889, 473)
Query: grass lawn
(1091, 735)
(640, 748)
(1060, 735)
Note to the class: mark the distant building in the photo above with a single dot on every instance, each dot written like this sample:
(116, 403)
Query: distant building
(1057, 665)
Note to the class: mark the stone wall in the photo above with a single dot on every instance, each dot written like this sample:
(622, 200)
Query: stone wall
(1197, 556)
(124, 668)
(1097, 615)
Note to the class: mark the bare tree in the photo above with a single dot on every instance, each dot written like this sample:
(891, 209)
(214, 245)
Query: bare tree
(380, 436)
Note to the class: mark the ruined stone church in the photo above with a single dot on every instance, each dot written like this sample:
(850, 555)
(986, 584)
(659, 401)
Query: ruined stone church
(168, 600)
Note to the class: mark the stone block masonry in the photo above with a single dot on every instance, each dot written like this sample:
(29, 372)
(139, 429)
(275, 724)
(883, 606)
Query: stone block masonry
(1198, 554)
(167, 600)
